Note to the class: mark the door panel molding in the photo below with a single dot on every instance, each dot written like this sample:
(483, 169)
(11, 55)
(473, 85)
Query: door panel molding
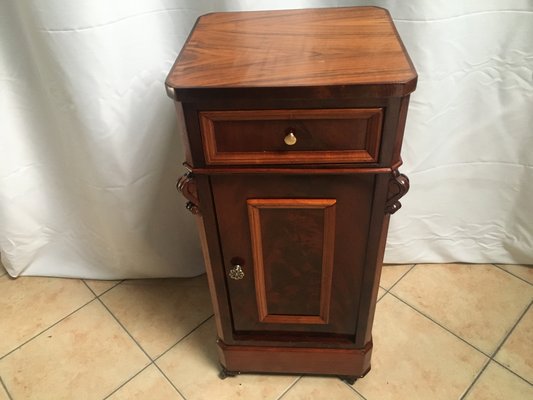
(317, 210)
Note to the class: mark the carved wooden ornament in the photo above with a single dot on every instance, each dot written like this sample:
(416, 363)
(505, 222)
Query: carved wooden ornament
(187, 186)
(398, 187)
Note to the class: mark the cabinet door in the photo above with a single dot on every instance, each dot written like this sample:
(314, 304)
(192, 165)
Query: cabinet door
(293, 248)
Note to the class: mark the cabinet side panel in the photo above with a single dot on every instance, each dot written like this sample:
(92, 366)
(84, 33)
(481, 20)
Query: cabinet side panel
(377, 236)
(194, 154)
(402, 117)
(182, 129)
(208, 231)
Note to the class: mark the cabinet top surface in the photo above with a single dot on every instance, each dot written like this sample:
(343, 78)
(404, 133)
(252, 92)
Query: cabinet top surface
(291, 48)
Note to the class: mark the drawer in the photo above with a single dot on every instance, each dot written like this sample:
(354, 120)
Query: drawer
(307, 136)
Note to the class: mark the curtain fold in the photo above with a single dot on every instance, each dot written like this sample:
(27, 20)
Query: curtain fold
(91, 149)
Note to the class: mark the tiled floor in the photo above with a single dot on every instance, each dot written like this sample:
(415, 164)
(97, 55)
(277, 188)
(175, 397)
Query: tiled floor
(450, 331)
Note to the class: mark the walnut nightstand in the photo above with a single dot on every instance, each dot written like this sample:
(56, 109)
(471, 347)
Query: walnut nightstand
(293, 123)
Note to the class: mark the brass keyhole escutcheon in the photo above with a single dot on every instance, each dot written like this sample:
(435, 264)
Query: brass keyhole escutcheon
(290, 139)
(236, 272)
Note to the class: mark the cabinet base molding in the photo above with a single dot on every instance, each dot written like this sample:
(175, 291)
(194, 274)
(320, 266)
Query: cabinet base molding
(347, 363)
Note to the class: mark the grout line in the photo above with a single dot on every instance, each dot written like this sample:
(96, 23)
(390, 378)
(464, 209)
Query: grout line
(125, 330)
(476, 378)
(356, 391)
(183, 338)
(511, 331)
(128, 380)
(142, 349)
(171, 347)
(290, 387)
(510, 273)
(105, 291)
(490, 356)
(169, 381)
(439, 324)
(384, 294)
(401, 277)
(5, 388)
(512, 372)
(88, 287)
(153, 360)
(47, 328)
(353, 388)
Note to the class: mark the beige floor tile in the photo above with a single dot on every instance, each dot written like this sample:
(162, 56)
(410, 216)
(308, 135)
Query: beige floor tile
(314, 388)
(85, 356)
(381, 293)
(522, 271)
(30, 305)
(159, 312)
(99, 287)
(192, 366)
(479, 303)
(3, 394)
(517, 351)
(150, 384)
(391, 273)
(496, 383)
(414, 358)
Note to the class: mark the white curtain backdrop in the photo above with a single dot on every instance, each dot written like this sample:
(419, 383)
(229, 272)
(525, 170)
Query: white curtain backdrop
(89, 148)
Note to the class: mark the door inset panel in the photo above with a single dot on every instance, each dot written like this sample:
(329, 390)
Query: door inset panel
(292, 247)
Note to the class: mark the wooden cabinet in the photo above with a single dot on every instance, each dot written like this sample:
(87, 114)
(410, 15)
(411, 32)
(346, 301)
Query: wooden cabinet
(293, 123)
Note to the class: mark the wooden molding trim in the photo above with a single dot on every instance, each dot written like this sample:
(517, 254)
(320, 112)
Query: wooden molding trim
(254, 212)
(368, 154)
(354, 362)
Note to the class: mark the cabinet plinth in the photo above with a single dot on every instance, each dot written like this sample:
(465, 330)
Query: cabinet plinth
(292, 124)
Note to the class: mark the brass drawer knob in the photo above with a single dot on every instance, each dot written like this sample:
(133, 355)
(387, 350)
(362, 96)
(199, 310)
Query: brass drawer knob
(236, 272)
(290, 138)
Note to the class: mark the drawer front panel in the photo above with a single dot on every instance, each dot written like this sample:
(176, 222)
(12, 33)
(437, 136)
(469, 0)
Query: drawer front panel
(318, 136)
(298, 244)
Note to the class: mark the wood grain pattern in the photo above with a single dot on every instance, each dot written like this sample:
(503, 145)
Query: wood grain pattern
(323, 136)
(292, 242)
(354, 46)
